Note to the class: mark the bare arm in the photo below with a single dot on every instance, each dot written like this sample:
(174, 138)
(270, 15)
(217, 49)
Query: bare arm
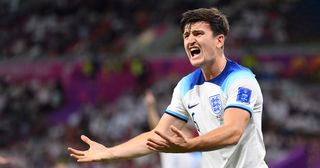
(235, 122)
(153, 117)
(133, 148)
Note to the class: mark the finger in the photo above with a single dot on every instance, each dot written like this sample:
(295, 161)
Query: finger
(85, 159)
(160, 143)
(86, 140)
(153, 147)
(77, 152)
(156, 145)
(165, 137)
(76, 156)
(177, 131)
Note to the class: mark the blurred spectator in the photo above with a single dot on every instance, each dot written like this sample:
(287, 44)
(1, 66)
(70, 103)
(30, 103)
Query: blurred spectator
(172, 160)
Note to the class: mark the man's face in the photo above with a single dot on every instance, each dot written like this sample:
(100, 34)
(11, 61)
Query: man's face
(200, 44)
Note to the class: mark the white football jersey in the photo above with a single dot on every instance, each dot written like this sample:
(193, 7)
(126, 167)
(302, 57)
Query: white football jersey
(204, 103)
(180, 160)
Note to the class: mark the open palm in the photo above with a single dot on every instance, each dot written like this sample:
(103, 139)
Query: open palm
(96, 151)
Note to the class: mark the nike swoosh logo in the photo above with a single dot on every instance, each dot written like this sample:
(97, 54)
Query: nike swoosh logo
(191, 106)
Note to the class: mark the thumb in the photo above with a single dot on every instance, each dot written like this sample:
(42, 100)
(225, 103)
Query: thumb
(86, 139)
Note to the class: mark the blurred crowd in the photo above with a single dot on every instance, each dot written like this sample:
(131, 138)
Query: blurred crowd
(291, 118)
(24, 106)
(35, 29)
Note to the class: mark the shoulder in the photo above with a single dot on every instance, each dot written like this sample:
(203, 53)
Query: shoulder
(189, 81)
(238, 75)
(238, 71)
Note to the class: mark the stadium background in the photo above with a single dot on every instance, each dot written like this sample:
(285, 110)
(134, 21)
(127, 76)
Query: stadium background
(72, 67)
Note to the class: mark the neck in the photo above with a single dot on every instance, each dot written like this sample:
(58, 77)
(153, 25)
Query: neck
(215, 68)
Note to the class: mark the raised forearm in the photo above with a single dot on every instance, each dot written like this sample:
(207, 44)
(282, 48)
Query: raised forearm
(133, 148)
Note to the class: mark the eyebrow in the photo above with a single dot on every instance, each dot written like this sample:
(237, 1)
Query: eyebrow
(197, 31)
(192, 31)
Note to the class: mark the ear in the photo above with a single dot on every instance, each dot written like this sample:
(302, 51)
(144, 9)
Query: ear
(220, 41)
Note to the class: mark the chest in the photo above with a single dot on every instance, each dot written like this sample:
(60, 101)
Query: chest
(205, 104)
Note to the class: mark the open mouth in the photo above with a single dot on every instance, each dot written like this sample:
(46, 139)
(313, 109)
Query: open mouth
(194, 51)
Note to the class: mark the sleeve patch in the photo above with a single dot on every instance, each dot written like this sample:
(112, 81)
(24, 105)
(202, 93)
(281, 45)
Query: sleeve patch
(244, 95)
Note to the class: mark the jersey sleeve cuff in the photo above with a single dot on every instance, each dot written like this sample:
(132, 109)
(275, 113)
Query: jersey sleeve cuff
(177, 115)
(240, 107)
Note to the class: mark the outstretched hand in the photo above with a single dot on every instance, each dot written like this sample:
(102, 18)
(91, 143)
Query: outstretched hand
(96, 151)
(178, 143)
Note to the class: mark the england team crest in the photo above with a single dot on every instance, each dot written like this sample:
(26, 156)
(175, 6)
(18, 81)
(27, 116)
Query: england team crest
(216, 105)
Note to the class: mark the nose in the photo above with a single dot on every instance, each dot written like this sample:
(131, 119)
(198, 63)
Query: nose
(191, 40)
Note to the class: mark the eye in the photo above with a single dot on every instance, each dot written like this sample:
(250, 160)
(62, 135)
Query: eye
(186, 35)
(197, 33)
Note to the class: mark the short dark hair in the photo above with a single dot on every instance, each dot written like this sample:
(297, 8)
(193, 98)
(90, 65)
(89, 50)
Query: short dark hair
(217, 20)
